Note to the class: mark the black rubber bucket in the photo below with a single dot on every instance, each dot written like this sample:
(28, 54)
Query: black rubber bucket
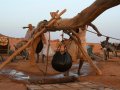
(39, 47)
(61, 62)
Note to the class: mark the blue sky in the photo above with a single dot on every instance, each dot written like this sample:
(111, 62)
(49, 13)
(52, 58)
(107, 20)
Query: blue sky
(14, 14)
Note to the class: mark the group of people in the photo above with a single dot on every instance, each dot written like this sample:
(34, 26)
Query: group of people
(81, 32)
(44, 38)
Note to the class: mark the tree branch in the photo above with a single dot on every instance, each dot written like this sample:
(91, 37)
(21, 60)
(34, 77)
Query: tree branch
(87, 15)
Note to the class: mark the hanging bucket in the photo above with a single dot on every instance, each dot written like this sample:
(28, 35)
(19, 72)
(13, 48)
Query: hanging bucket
(61, 61)
(39, 47)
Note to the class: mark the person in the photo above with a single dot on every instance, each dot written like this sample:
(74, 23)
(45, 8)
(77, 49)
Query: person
(106, 49)
(25, 53)
(91, 53)
(82, 34)
(89, 49)
(30, 32)
(107, 41)
(45, 46)
(38, 44)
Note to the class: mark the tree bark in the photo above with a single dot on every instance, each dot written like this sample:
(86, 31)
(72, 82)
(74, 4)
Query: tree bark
(87, 15)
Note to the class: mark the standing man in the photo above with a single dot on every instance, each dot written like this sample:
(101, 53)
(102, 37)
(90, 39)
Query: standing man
(106, 49)
(82, 36)
(30, 31)
(82, 33)
(28, 35)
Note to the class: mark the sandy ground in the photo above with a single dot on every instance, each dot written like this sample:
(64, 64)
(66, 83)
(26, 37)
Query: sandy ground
(110, 76)
(8, 84)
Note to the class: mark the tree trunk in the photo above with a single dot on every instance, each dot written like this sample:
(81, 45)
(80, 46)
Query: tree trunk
(87, 15)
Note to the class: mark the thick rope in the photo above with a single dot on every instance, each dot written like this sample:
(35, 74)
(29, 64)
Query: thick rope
(104, 35)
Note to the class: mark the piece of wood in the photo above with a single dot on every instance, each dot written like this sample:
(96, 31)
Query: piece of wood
(47, 80)
(32, 55)
(31, 40)
(33, 49)
(87, 15)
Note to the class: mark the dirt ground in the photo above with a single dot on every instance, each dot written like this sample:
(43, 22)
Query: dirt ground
(110, 70)
(110, 76)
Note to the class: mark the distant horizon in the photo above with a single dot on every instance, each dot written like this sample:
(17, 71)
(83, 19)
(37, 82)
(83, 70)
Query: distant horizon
(50, 39)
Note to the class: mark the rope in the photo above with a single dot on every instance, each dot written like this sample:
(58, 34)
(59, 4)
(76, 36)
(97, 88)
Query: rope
(47, 55)
(47, 59)
(62, 35)
(104, 35)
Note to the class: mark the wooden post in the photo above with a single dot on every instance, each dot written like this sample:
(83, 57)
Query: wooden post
(32, 55)
(31, 40)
